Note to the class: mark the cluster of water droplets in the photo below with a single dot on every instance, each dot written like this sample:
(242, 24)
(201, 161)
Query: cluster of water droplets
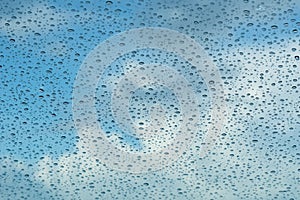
(44, 154)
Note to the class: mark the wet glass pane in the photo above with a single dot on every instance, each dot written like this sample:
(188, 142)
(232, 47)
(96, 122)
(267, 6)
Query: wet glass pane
(138, 99)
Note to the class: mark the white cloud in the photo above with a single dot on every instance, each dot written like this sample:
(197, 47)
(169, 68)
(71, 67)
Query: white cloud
(36, 19)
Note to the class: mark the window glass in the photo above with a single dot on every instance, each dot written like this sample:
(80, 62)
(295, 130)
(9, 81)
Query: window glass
(140, 99)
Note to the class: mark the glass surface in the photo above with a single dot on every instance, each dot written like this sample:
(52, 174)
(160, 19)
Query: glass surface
(138, 99)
